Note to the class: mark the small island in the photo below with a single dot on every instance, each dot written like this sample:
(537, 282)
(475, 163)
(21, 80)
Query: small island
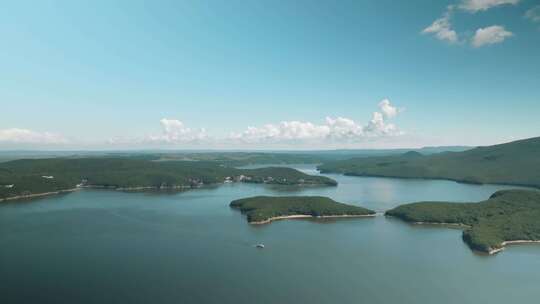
(507, 217)
(264, 209)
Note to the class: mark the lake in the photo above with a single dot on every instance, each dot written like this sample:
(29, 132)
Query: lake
(99, 246)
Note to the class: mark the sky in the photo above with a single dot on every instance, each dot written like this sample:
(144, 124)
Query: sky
(268, 74)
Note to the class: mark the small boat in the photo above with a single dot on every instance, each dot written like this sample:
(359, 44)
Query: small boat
(260, 246)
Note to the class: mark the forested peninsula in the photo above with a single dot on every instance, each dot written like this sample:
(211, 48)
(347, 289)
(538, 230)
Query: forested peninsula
(507, 217)
(514, 163)
(29, 178)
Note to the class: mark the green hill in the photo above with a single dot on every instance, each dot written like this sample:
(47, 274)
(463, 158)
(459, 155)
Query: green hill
(34, 176)
(516, 163)
(263, 209)
(508, 215)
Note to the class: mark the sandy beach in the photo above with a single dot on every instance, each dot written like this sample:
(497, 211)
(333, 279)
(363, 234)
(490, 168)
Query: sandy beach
(307, 216)
(503, 245)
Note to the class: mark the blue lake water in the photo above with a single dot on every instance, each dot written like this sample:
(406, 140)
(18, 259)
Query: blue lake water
(98, 246)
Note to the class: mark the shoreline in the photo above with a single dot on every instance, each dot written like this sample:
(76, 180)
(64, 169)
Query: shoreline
(493, 251)
(96, 187)
(457, 225)
(510, 184)
(142, 188)
(276, 218)
(45, 194)
(37, 195)
(135, 189)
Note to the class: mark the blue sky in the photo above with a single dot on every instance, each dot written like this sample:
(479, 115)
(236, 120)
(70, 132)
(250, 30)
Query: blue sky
(268, 74)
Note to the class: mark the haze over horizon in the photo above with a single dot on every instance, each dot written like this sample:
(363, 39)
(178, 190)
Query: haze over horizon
(268, 75)
(318, 151)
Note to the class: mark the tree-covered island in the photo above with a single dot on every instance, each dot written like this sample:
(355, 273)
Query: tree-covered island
(507, 217)
(264, 209)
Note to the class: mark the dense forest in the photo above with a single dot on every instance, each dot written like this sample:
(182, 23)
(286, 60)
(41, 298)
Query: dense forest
(508, 215)
(32, 176)
(516, 163)
(261, 209)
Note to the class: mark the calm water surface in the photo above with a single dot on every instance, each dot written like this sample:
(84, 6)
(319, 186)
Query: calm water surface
(112, 247)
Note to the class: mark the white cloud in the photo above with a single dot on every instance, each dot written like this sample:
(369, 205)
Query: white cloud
(377, 126)
(490, 35)
(482, 5)
(338, 129)
(387, 109)
(25, 136)
(533, 14)
(343, 128)
(174, 132)
(284, 131)
(442, 28)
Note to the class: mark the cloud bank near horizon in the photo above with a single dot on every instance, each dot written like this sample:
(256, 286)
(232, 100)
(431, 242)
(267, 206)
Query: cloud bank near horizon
(332, 130)
(25, 136)
(175, 134)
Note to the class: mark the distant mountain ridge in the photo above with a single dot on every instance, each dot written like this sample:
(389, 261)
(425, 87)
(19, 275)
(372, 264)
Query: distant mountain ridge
(235, 157)
(516, 163)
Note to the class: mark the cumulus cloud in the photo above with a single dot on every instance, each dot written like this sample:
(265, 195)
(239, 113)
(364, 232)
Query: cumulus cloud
(533, 14)
(474, 6)
(377, 126)
(490, 35)
(284, 131)
(337, 129)
(387, 109)
(25, 136)
(442, 28)
(334, 130)
(343, 128)
(174, 132)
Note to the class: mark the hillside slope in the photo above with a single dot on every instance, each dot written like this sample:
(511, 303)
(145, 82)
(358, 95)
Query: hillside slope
(516, 163)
